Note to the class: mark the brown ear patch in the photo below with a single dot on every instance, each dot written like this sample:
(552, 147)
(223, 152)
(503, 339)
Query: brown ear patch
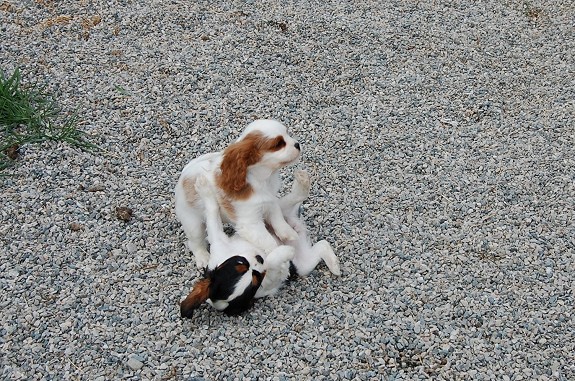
(234, 168)
(238, 157)
(199, 294)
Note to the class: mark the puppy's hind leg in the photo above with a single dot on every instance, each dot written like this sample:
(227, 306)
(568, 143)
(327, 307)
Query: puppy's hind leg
(306, 260)
(195, 230)
(325, 252)
(214, 224)
(190, 215)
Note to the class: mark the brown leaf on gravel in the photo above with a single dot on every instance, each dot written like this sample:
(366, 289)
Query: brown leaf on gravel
(123, 213)
(164, 123)
(13, 151)
(7, 7)
(90, 22)
(96, 19)
(58, 20)
(282, 25)
(75, 226)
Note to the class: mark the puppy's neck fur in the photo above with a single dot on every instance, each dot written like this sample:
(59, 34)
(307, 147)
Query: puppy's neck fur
(257, 176)
(260, 176)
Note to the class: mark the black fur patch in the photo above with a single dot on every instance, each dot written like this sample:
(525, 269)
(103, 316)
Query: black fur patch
(245, 300)
(225, 277)
(293, 275)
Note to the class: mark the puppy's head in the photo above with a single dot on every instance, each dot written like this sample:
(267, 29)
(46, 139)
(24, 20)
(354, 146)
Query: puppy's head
(264, 143)
(277, 149)
(230, 287)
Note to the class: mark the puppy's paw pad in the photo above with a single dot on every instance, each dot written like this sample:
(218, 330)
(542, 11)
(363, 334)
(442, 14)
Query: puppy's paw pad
(301, 180)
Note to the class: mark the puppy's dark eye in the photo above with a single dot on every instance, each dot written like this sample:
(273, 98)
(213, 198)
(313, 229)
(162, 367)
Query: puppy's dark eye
(280, 144)
(260, 259)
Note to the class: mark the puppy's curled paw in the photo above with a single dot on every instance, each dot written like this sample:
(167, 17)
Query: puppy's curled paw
(302, 182)
(202, 260)
(287, 235)
(280, 255)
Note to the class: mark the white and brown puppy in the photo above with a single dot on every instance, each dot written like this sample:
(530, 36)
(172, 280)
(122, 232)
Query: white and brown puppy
(246, 176)
(238, 271)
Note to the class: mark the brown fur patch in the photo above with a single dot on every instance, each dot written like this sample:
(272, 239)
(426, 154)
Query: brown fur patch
(199, 294)
(242, 269)
(257, 279)
(189, 185)
(227, 208)
(238, 157)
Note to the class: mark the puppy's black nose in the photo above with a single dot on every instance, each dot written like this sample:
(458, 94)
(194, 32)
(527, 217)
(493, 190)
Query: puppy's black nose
(296, 145)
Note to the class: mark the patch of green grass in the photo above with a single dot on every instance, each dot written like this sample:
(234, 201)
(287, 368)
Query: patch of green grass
(121, 90)
(29, 115)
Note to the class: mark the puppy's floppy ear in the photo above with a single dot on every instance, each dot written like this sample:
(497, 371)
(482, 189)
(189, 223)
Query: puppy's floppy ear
(234, 168)
(199, 294)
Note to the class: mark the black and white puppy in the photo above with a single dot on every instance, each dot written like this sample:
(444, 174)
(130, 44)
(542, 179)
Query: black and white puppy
(238, 271)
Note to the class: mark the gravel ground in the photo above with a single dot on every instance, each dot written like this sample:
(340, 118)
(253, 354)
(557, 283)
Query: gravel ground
(440, 137)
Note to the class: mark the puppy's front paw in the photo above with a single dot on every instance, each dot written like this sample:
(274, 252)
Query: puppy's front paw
(281, 255)
(202, 260)
(302, 182)
(287, 234)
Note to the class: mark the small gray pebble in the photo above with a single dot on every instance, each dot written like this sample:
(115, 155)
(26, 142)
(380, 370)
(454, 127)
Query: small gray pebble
(135, 364)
